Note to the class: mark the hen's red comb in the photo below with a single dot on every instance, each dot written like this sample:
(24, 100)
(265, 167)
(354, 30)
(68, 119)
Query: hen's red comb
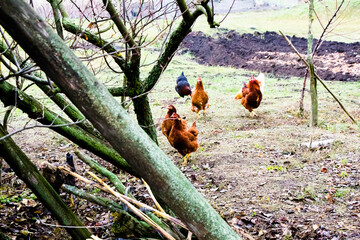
(252, 78)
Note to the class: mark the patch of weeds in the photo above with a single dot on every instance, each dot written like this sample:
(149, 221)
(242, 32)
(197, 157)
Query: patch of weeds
(344, 174)
(95, 190)
(26, 194)
(9, 199)
(310, 193)
(195, 168)
(260, 147)
(253, 214)
(265, 199)
(287, 237)
(342, 192)
(338, 127)
(156, 103)
(4, 199)
(344, 161)
(238, 136)
(276, 168)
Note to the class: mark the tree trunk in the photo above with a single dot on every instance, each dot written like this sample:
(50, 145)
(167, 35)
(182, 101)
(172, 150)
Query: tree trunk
(112, 121)
(144, 116)
(28, 172)
(313, 82)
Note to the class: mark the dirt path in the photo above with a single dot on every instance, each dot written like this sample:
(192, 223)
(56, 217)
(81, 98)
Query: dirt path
(269, 53)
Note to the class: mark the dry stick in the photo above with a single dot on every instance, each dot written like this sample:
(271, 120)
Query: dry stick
(156, 212)
(152, 196)
(134, 209)
(81, 178)
(189, 236)
(318, 78)
(139, 204)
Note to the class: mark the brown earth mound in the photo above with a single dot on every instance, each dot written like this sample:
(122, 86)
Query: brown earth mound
(270, 53)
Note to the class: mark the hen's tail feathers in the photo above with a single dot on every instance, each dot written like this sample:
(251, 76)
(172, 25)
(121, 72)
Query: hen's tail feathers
(239, 95)
(261, 79)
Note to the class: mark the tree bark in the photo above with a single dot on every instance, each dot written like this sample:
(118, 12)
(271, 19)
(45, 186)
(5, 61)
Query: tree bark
(144, 116)
(112, 121)
(28, 172)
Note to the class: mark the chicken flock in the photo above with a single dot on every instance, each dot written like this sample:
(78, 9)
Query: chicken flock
(175, 128)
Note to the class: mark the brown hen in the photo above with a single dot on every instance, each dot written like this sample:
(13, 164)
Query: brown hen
(168, 122)
(251, 93)
(184, 140)
(199, 98)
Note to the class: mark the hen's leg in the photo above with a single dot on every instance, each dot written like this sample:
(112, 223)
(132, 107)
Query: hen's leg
(186, 157)
(71, 201)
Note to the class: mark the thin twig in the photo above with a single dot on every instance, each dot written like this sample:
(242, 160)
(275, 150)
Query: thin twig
(316, 48)
(295, 50)
(67, 226)
(227, 12)
(343, 108)
(326, 27)
(152, 196)
(81, 178)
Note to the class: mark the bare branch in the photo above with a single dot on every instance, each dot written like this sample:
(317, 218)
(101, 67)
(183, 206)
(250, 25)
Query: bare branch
(120, 25)
(92, 38)
(326, 27)
(184, 11)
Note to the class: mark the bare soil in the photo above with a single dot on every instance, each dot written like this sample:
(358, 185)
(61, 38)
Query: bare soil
(269, 53)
